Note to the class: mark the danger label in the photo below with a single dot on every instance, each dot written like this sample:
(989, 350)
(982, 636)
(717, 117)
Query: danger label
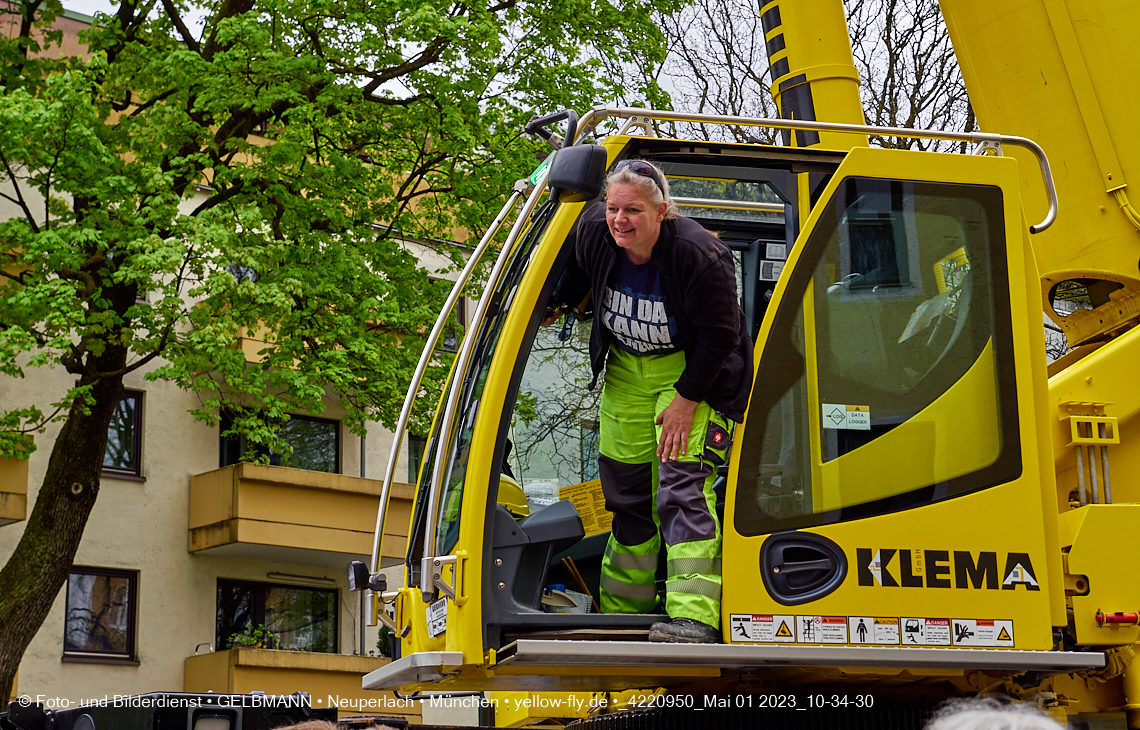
(982, 632)
(925, 631)
(821, 629)
(838, 415)
(870, 630)
(873, 630)
(764, 628)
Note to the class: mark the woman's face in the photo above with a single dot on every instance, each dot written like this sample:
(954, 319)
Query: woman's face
(633, 220)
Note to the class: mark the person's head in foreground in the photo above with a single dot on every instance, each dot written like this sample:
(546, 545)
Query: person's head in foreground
(990, 714)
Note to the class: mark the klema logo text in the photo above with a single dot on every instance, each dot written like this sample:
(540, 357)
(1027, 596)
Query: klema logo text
(895, 568)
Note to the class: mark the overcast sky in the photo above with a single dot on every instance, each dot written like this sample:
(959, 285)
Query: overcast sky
(89, 7)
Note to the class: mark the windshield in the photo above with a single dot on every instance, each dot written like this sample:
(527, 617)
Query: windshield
(447, 527)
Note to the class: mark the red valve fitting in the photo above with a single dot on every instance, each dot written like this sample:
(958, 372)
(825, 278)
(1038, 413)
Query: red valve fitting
(1121, 618)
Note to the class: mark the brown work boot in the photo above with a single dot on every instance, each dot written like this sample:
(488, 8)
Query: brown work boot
(684, 631)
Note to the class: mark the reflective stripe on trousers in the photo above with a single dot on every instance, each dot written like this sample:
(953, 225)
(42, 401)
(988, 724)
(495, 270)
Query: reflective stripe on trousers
(652, 500)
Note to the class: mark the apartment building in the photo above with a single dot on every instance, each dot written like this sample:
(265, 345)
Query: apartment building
(189, 550)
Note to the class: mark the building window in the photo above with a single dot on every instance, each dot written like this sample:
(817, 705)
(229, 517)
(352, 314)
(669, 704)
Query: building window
(416, 447)
(452, 333)
(100, 615)
(299, 618)
(315, 442)
(123, 454)
(244, 273)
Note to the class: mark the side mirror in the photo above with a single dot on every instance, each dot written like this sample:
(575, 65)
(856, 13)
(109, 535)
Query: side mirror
(577, 172)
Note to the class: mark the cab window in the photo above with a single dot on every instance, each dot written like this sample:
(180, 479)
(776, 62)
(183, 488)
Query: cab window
(887, 378)
(451, 499)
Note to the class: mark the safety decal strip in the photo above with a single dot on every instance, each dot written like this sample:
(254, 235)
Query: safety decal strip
(763, 628)
(870, 630)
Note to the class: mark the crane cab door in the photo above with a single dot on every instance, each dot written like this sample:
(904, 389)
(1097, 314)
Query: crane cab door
(887, 487)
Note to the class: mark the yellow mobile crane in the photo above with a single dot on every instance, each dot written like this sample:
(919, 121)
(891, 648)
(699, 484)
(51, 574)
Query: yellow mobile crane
(915, 507)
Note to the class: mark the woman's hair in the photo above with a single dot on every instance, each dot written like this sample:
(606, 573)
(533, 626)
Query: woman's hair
(990, 714)
(655, 189)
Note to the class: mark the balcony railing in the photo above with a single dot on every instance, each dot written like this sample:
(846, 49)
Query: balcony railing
(253, 342)
(14, 491)
(328, 678)
(288, 515)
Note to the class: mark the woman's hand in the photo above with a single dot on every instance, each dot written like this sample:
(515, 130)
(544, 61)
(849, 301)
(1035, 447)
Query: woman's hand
(550, 317)
(676, 421)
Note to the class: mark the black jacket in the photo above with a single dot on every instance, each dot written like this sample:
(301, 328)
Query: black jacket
(700, 288)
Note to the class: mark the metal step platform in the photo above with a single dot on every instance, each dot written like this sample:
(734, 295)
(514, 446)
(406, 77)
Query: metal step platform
(602, 662)
(743, 657)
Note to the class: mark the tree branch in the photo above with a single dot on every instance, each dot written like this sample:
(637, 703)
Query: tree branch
(428, 55)
(187, 37)
(395, 102)
(84, 277)
(228, 9)
(219, 198)
(20, 200)
(46, 420)
(141, 362)
(27, 22)
(151, 102)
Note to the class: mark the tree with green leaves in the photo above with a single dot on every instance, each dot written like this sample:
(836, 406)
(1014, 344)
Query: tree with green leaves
(253, 166)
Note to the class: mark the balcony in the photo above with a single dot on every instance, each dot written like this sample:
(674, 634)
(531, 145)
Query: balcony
(14, 491)
(278, 514)
(252, 342)
(328, 678)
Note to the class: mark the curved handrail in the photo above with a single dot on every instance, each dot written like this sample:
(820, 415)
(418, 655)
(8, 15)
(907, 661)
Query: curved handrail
(421, 368)
(462, 363)
(595, 116)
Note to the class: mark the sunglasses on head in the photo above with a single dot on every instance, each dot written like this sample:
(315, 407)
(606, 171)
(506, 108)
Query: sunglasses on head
(640, 167)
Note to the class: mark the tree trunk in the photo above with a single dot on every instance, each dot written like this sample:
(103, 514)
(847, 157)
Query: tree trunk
(32, 577)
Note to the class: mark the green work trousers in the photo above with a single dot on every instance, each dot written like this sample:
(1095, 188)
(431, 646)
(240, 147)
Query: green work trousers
(653, 500)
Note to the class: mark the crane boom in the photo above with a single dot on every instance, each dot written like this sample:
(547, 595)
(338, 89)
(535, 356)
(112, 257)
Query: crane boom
(813, 71)
(1059, 71)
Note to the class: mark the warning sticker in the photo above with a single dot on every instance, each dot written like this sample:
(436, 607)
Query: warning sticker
(437, 617)
(925, 631)
(591, 505)
(776, 251)
(839, 415)
(982, 632)
(764, 628)
(871, 630)
(821, 629)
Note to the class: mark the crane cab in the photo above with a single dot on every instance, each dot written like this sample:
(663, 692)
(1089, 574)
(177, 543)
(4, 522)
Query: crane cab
(885, 490)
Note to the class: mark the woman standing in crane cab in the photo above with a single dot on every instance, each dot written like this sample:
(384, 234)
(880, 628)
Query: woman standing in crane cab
(679, 370)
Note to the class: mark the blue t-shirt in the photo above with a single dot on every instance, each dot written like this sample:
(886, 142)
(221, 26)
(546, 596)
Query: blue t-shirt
(633, 309)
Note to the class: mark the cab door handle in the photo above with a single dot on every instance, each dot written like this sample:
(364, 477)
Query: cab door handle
(798, 567)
